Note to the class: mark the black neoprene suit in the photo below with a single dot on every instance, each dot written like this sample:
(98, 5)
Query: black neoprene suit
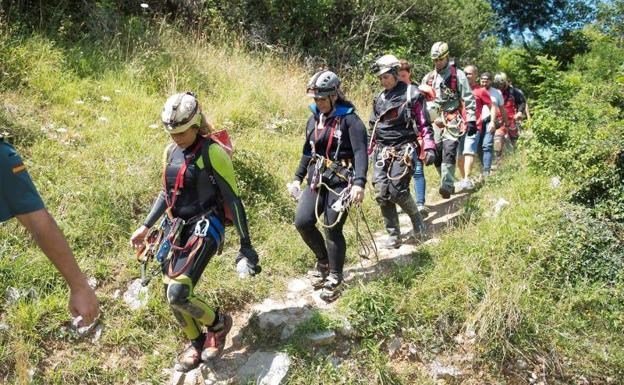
(332, 249)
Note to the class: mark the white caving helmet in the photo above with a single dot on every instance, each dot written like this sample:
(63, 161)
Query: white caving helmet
(439, 50)
(384, 64)
(180, 112)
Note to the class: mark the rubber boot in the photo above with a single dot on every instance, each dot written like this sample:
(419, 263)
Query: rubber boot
(447, 186)
(411, 209)
(391, 220)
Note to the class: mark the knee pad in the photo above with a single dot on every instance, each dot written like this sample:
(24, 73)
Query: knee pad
(178, 293)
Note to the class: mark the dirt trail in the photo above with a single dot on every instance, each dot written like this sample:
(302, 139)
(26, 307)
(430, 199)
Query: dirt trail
(278, 315)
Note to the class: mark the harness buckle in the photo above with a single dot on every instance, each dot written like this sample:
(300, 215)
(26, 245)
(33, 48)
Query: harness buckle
(201, 228)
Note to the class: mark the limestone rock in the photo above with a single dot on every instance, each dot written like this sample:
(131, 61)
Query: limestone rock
(265, 368)
(442, 372)
(322, 338)
(137, 295)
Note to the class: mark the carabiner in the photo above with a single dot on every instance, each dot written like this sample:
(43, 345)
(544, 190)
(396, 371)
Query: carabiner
(201, 227)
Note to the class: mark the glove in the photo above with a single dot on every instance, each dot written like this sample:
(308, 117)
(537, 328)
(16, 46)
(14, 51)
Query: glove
(472, 128)
(247, 262)
(294, 189)
(430, 157)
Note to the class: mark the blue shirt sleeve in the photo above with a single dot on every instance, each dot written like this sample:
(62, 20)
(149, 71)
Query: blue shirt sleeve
(18, 194)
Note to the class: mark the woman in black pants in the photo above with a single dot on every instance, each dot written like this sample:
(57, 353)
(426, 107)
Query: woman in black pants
(335, 162)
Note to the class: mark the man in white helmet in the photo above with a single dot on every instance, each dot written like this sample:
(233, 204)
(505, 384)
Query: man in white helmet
(399, 115)
(457, 113)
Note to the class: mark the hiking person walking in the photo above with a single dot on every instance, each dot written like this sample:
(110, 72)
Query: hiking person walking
(455, 98)
(335, 162)
(399, 115)
(199, 189)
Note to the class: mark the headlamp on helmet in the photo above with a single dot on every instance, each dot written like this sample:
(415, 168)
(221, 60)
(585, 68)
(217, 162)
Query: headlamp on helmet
(180, 112)
(386, 63)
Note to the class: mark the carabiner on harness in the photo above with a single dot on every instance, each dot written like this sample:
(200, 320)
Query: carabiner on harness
(201, 228)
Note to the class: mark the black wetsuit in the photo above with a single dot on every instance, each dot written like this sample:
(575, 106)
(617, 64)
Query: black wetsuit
(205, 190)
(351, 146)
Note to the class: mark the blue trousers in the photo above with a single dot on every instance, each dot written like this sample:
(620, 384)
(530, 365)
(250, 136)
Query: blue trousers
(420, 184)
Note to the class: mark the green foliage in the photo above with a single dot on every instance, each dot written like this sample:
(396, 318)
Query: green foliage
(373, 309)
(578, 133)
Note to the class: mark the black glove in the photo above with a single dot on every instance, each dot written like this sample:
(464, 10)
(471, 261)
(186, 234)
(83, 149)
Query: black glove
(430, 157)
(472, 128)
(247, 262)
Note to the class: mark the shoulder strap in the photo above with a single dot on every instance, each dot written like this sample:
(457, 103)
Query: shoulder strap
(205, 157)
(453, 78)
(167, 153)
(408, 94)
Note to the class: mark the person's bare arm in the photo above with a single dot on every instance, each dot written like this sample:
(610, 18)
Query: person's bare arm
(50, 239)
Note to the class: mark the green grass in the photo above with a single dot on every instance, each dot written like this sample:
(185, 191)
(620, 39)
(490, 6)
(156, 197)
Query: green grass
(97, 165)
(499, 277)
(531, 282)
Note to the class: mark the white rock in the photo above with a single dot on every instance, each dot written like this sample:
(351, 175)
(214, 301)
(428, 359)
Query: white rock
(12, 294)
(177, 378)
(264, 368)
(297, 285)
(137, 295)
(394, 346)
(4, 327)
(106, 98)
(61, 130)
(447, 373)
(287, 332)
(92, 282)
(192, 377)
(432, 242)
(97, 334)
(555, 182)
(272, 319)
(322, 338)
(346, 329)
(498, 207)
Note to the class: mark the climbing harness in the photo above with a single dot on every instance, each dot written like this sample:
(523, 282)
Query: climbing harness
(324, 169)
(205, 224)
(402, 154)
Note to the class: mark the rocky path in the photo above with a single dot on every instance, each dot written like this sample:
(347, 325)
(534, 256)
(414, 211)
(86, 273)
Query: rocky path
(278, 316)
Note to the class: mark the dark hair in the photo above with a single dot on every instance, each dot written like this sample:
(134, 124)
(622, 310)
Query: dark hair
(405, 65)
(486, 75)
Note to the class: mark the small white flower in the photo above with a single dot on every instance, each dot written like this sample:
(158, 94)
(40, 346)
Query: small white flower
(106, 98)
(61, 130)
(79, 101)
(153, 125)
